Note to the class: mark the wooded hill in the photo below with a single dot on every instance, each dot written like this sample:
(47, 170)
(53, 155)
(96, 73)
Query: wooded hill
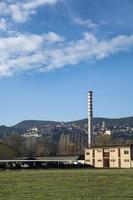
(127, 121)
(57, 138)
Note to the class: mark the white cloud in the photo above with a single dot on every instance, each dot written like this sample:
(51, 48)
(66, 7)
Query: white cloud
(36, 3)
(20, 12)
(50, 51)
(87, 23)
(24, 52)
(53, 37)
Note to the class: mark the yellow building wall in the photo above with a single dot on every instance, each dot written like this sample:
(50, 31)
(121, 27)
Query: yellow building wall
(89, 156)
(99, 158)
(131, 163)
(114, 161)
(125, 158)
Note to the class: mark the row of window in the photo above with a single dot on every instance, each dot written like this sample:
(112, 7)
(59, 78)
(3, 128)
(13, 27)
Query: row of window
(112, 160)
(112, 150)
(126, 160)
(97, 160)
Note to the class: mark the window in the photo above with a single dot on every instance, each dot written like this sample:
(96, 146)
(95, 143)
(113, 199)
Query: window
(126, 160)
(87, 153)
(99, 151)
(113, 160)
(87, 160)
(106, 154)
(99, 160)
(112, 150)
(126, 152)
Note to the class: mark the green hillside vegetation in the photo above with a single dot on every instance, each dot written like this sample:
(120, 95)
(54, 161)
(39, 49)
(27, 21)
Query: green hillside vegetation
(5, 131)
(27, 124)
(127, 121)
(6, 152)
(67, 184)
(68, 138)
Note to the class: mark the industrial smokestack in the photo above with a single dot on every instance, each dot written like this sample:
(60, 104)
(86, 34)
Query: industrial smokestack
(90, 117)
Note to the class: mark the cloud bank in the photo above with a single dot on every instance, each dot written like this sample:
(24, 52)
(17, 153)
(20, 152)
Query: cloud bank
(48, 52)
(20, 12)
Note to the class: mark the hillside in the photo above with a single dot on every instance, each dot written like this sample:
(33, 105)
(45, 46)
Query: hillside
(27, 124)
(5, 131)
(127, 121)
(57, 138)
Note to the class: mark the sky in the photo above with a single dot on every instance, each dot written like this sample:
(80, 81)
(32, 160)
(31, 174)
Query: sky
(53, 51)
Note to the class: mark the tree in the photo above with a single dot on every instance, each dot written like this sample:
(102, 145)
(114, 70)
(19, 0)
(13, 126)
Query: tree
(102, 140)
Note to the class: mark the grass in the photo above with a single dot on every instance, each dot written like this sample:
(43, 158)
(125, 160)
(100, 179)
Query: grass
(66, 184)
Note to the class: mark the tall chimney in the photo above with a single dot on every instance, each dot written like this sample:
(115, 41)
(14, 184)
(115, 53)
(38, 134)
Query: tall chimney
(90, 118)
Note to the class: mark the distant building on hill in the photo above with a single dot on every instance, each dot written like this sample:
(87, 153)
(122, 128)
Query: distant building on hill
(32, 132)
(6, 152)
(120, 156)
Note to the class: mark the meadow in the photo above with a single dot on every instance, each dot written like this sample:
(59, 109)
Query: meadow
(85, 184)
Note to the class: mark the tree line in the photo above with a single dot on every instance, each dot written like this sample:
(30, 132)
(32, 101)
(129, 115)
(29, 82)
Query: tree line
(64, 144)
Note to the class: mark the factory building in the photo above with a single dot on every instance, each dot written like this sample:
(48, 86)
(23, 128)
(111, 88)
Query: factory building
(120, 156)
(110, 156)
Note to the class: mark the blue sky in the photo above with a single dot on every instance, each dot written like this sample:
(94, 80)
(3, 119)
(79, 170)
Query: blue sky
(53, 51)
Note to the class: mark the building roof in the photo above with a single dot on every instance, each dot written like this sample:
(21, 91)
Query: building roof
(111, 146)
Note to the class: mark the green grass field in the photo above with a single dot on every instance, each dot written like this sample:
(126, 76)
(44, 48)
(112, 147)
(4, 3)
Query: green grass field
(66, 184)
